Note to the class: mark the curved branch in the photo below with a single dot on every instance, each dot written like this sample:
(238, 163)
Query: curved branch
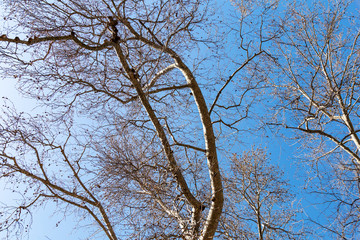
(217, 199)
(159, 74)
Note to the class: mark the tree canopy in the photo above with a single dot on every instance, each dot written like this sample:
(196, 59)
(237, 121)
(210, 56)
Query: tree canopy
(144, 110)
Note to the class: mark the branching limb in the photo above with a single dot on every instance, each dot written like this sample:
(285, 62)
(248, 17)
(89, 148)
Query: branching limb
(159, 74)
(230, 79)
(72, 36)
(181, 144)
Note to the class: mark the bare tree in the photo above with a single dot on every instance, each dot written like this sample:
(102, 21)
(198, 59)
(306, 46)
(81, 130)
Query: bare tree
(109, 58)
(319, 57)
(260, 204)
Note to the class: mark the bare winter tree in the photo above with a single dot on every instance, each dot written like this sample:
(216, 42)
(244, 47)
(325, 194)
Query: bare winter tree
(119, 55)
(260, 201)
(319, 56)
(146, 143)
